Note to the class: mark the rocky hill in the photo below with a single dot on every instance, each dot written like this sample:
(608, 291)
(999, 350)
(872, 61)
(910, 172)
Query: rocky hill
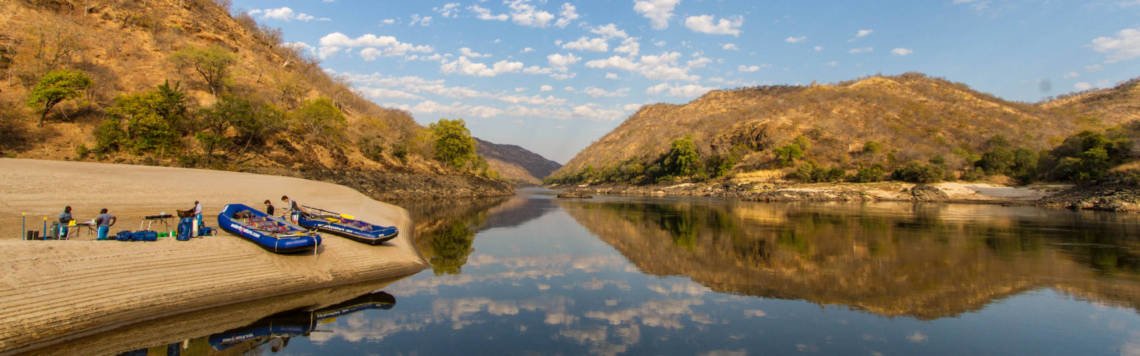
(298, 120)
(515, 163)
(879, 120)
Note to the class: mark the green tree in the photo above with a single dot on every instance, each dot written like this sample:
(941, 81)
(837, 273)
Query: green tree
(918, 172)
(788, 154)
(320, 118)
(211, 63)
(682, 160)
(454, 145)
(55, 87)
(144, 129)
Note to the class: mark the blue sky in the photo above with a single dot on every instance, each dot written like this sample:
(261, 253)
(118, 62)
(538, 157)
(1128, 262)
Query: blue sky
(553, 76)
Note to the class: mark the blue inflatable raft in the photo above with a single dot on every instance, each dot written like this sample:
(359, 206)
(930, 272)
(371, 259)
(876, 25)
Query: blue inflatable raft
(271, 233)
(344, 225)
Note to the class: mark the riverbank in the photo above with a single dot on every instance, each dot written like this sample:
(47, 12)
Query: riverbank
(1110, 198)
(56, 291)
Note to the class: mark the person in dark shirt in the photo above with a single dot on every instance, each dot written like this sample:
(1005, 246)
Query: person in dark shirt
(269, 207)
(64, 219)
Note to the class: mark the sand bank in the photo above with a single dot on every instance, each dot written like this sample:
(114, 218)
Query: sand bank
(56, 291)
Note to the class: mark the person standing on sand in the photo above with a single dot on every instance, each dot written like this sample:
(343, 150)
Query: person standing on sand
(197, 218)
(294, 207)
(104, 221)
(269, 207)
(64, 219)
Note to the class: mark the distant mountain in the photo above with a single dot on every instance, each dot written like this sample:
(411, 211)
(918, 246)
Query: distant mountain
(515, 163)
(879, 120)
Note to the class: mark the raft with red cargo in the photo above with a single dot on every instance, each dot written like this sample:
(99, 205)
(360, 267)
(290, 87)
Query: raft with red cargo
(270, 232)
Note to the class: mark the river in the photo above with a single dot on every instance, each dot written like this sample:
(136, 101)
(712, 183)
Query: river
(539, 275)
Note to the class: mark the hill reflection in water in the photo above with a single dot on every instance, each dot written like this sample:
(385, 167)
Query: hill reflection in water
(925, 261)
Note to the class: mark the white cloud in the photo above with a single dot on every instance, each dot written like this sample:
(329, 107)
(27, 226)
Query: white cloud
(568, 14)
(657, 11)
(561, 62)
(1071, 75)
(385, 93)
(591, 111)
(656, 67)
(609, 31)
(527, 50)
(629, 46)
(917, 337)
(681, 91)
(602, 93)
(448, 10)
(1082, 86)
(545, 88)
(861, 50)
(424, 21)
(795, 39)
(596, 44)
(817, 48)
(707, 24)
(386, 46)
(698, 62)
(486, 15)
(284, 14)
(453, 109)
(729, 47)
(464, 51)
(631, 107)
(465, 66)
(611, 75)
(863, 33)
(1123, 47)
(978, 5)
(388, 21)
(525, 14)
(902, 51)
(748, 69)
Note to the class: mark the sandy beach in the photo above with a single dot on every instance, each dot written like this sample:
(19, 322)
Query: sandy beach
(56, 291)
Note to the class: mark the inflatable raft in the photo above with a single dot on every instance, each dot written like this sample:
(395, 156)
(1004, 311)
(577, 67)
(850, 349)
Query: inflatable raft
(344, 225)
(270, 232)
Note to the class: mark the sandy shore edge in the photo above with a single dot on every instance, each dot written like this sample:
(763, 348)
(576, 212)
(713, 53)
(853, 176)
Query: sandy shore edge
(56, 291)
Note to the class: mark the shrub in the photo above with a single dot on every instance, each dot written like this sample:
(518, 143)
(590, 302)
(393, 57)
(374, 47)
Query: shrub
(682, 160)
(320, 119)
(870, 174)
(1085, 157)
(918, 172)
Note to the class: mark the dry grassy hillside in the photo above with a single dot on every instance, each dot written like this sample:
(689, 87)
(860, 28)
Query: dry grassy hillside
(910, 117)
(1111, 105)
(128, 47)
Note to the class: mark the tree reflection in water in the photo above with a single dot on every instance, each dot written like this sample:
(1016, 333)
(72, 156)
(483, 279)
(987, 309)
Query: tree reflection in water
(927, 261)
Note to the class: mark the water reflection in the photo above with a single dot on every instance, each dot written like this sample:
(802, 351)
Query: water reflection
(926, 261)
(272, 332)
(445, 230)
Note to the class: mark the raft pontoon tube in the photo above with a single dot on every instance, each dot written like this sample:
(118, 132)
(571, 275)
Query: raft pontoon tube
(270, 232)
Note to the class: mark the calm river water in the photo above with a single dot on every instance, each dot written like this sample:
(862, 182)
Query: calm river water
(538, 275)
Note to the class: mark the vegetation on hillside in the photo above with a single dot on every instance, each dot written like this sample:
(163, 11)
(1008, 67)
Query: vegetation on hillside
(188, 83)
(908, 128)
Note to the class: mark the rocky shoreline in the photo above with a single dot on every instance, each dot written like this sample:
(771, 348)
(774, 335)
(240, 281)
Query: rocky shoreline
(1109, 197)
